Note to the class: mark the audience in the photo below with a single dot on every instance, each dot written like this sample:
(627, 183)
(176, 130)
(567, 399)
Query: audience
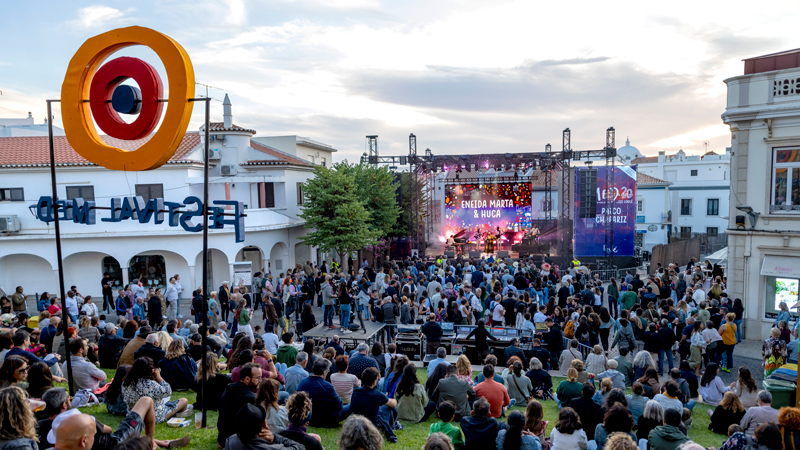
(588, 410)
(762, 413)
(456, 391)
(652, 417)
(514, 437)
(568, 433)
(237, 395)
(374, 404)
(446, 413)
(729, 410)
(616, 420)
(327, 410)
(144, 380)
(668, 436)
(413, 404)
(494, 392)
(268, 397)
(480, 430)
(358, 433)
(299, 410)
(296, 373)
(344, 382)
(214, 385)
(569, 389)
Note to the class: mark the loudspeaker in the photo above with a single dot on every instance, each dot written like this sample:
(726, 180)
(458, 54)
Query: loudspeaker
(449, 254)
(502, 254)
(587, 195)
(474, 254)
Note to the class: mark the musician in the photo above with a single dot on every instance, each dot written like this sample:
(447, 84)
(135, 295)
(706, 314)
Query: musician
(534, 231)
(451, 242)
(489, 239)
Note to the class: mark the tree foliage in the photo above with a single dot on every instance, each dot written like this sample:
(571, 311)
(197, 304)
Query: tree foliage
(405, 223)
(333, 210)
(376, 189)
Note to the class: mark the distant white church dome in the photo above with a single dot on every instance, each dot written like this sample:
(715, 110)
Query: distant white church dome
(628, 152)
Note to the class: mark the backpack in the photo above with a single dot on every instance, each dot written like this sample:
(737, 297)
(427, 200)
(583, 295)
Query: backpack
(457, 317)
(569, 329)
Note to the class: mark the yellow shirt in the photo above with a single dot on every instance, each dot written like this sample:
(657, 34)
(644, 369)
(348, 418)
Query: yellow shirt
(729, 335)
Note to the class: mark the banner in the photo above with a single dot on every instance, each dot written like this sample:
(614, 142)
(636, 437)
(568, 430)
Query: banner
(590, 232)
(487, 206)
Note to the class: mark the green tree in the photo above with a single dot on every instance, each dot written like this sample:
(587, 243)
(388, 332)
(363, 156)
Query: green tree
(405, 223)
(332, 208)
(376, 189)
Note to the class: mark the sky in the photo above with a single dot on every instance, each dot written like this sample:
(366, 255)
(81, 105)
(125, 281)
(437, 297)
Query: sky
(464, 76)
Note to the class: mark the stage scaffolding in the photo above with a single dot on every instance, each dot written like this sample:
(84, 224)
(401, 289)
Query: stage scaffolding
(547, 164)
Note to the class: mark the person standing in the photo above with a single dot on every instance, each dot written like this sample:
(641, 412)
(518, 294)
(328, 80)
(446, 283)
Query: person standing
(224, 298)
(327, 303)
(172, 299)
(481, 333)
(390, 313)
(108, 294)
(728, 333)
(257, 280)
(344, 305)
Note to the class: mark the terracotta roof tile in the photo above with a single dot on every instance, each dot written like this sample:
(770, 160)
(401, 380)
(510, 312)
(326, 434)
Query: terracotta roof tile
(277, 154)
(220, 126)
(34, 151)
(644, 179)
(645, 160)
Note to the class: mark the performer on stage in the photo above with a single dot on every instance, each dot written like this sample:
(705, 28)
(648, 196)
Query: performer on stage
(451, 242)
(489, 238)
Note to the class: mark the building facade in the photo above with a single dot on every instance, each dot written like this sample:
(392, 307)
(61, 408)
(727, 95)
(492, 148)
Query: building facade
(763, 112)
(266, 177)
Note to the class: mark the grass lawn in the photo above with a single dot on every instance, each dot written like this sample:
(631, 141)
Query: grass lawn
(412, 437)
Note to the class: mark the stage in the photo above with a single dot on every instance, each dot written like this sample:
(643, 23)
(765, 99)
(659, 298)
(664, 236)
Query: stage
(374, 332)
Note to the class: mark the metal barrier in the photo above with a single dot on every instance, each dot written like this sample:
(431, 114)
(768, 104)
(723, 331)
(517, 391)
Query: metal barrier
(622, 272)
(605, 274)
(584, 349)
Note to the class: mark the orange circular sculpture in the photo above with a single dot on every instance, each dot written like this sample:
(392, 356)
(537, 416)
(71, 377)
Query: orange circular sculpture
(77, 112)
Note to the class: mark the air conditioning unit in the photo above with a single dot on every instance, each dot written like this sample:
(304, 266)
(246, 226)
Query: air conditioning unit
(9, 224)
(214, 154)
(228, 171)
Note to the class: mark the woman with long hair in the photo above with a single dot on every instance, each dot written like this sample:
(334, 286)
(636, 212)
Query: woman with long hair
(413, 404)
(398, 364)
(534, 420)
(606, 324)
(569, 389)
(18, 422)
(745, 388)
(783, 314)
(115, 403)
(144, 380)
(164, 340)
(653, 416)
(711, 386)
(242, 316)
(464, 369)
(40, 380)
(268, 397)
(641, 362)
(241, 342)
(616, 420)
(439, 373)
(613, 298)
(13, 372)
(515, 437)
(215, 383)
(178, 368)
(650, 382)
(129, 329)
(568, 433)
(729, 410)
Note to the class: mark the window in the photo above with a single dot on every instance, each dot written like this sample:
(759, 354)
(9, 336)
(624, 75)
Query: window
(149, 191)
(694, 172)
(12, 195)
(712, 231)
(266, 195)
(84, 192)
(686, 207)
(323, 161)
(639, 205)
(300, 198)
(311, 159)
(712, 207)
(785, 180)
(686, 230)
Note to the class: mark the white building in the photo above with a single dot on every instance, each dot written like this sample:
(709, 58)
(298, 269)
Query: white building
(26, 127)
(266, 177)
(763, 112)
(698, 192)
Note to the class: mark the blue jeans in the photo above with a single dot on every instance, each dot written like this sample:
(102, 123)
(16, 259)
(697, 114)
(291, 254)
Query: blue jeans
(385, 420)
(661, 355)
(690, 404)
(738, 330)
(327, 312)
(390, 329)
(345, 317)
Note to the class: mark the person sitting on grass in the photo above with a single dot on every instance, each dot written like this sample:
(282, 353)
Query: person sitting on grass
(235, 396)
(328, 409)
(447, 411)
(298, 406)
(494, 392)
(568, 432)
(358, 433)
(569, 389)
(253, 433)
(616, 420)
(287, 352)
(178, 368)
(375, 405)
(480, 430)
(144, 380)
(729, 410)
(455, 390)
(114, 400)
(18, 429)
(668, 436)
(588, 410)
(56, 429)
(413, 404)
(438, 441)
(13, 372)
(514, 437)
(214, 384)
(268, 397)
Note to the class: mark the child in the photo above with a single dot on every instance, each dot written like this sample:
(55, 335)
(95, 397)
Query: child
(686, 418)
(447, 411)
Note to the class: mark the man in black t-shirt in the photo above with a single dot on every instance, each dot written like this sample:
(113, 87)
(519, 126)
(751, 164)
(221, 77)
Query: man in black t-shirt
(433, 334)
(509, 304)
(374, 404)
(108, 293)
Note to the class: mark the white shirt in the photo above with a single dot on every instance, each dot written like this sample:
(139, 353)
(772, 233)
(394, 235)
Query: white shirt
(90, 309)
(699, 296)
(270, 342)
(172, 292)
(72, 306)
(539, 317)
(178, 287)
(497, 313)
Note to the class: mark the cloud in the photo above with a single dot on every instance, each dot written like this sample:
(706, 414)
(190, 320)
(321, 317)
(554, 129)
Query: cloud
(236, 12)
(98, 16)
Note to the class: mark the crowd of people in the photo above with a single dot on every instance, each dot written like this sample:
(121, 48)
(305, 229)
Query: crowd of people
(271, 384)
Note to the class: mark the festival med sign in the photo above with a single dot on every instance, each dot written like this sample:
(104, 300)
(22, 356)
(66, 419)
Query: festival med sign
(93, 92)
